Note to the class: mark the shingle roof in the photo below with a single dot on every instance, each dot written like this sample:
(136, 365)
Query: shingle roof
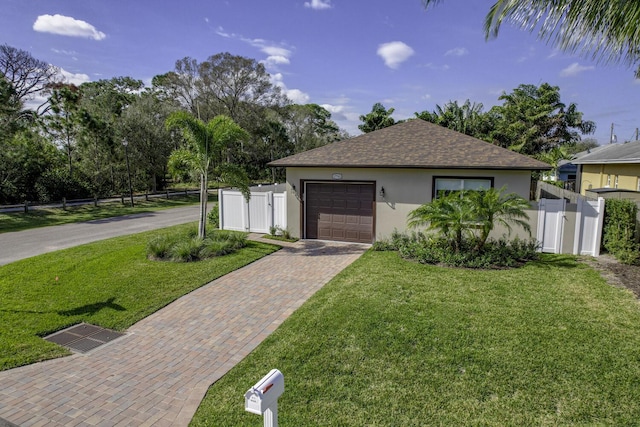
(612, 153)
(413, 144)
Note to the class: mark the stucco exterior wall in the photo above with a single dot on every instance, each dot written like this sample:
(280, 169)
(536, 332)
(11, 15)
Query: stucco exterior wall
(405, 190)
(595, 176)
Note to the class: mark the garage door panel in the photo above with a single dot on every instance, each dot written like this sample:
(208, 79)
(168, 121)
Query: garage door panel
(340, 211)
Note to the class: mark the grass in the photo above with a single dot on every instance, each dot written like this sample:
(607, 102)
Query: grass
(110, 283)
(392, 342)
(18, 221)
(280, 238)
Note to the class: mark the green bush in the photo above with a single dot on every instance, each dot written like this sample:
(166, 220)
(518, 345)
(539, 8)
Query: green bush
(619, 230)
(279, 232)
(214, 216)
(425, 249)
(186, 246)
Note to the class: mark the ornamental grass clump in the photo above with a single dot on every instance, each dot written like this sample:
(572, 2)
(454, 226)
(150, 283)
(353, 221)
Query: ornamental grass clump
(186, 246)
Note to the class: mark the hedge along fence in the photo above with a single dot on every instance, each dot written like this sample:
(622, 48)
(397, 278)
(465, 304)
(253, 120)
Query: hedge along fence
(619, 236)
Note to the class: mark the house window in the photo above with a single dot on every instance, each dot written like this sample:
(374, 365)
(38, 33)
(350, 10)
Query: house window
(638, 187)
(616, 182)
(608, 181)
(446, 185)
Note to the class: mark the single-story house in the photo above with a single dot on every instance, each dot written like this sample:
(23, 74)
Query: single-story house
(613, 166)
(361, 189)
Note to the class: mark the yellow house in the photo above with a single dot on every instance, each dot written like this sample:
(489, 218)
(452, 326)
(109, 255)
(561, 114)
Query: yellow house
(614, 166)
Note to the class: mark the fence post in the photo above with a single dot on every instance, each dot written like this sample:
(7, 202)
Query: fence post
(95, 201)
(167, 194)
(26, 206)
(64, 203)
(220, 210)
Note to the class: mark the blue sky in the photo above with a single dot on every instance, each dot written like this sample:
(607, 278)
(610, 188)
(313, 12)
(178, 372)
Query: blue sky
(342, 54)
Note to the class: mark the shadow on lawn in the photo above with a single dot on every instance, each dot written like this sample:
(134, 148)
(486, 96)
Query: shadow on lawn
(563, 261)
(93, 308)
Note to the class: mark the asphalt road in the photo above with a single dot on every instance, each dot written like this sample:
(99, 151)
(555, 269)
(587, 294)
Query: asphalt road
(25, 244)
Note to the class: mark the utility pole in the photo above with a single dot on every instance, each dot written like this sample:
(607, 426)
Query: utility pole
(636, 135)
(613, 138)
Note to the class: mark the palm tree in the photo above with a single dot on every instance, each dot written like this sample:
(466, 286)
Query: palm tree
(461, 213)
(452, 214)
(493, 207)
(205, 152)
(378, 118)
(606, 30)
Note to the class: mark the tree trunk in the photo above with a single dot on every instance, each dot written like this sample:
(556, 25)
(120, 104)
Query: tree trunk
(203, 206)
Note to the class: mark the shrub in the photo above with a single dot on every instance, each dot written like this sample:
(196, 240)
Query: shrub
(619, 230)
(425, 249)
(214, 216)
(277, 231)
(185, 246)
(186, 250)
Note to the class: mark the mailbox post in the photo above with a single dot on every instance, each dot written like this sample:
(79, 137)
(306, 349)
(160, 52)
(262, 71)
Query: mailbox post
(262, 398)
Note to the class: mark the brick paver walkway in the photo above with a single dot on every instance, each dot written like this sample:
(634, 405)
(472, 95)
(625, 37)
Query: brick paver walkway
(158, 373)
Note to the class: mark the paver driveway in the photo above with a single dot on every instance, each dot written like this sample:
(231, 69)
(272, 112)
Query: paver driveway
(159, 372)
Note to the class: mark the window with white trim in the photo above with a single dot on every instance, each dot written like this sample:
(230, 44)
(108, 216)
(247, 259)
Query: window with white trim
(615, 184)
(446, 185)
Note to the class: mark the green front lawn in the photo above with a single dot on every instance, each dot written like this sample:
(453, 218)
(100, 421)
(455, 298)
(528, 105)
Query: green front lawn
(391, 342)
(18, 221)
(110, 283)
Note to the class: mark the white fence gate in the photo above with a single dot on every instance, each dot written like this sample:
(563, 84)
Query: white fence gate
(264, 210)
(589, 221)
(551, 224)
(588, 226)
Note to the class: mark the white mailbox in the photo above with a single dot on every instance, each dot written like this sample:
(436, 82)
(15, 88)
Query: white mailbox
(264, 394)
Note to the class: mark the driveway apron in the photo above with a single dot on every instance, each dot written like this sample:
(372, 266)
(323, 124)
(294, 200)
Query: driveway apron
(157, 374)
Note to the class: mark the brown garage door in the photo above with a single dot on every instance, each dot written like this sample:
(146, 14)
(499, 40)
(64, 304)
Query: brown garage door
(340, 211)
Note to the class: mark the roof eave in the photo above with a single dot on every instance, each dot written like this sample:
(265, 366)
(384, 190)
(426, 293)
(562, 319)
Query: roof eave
(608, 161)
(386, 166)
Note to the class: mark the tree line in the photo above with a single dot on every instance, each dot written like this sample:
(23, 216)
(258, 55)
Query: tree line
(76, 142)
(73, 144)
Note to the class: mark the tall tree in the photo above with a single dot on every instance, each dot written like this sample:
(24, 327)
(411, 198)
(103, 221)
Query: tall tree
(605, 30)
(378, 118)
(63, 121)
(532, 120)
(310, 126)
(103, 104)
(150, 143)
(205, 153)
(467, 118)
(10, 107)
(27, 75)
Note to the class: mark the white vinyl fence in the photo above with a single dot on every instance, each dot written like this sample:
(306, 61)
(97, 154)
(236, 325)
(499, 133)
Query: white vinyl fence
(570, 227)
(264, 210)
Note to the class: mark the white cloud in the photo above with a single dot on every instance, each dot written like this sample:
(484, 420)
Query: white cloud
(575, 69)
(74, 78)
(276, 60)
(432, 66)
(458, 51)
(394, 53)
(295, 95)
(276, 54)
(426, 96)
(318, 4)
(66, 26)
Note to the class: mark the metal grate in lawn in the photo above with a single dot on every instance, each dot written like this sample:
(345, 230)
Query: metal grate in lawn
(83, 337)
